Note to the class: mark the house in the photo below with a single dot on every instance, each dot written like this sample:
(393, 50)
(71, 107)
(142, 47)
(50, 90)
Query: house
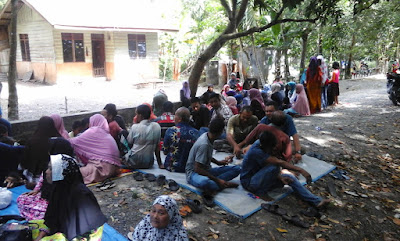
(63, 40)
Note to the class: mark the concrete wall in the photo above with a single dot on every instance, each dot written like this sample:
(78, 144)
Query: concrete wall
(23, 130)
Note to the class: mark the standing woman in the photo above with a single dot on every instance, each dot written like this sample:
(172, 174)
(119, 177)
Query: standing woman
(313, 84)
(334, 82)
(185, 94)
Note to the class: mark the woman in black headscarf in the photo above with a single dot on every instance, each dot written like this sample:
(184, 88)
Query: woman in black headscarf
(73, 211)
(36, 151)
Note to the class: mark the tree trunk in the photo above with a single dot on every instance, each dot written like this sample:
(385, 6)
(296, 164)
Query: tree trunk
(348, 66)
(286, 59)
(278, 56)
(12, 85)
(260, 73)
(320, 43)
(304, 38)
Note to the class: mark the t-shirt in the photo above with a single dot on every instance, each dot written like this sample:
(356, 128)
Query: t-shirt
(201, 118)
(201, 152)
(289, 128)
(239, 133)
(166, 120)
(224, 111)
(253, 161)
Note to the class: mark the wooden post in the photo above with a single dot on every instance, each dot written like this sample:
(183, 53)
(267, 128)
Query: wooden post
(12, 71)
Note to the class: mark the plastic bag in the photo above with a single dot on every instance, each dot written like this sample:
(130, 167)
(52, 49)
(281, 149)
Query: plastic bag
(5, 197)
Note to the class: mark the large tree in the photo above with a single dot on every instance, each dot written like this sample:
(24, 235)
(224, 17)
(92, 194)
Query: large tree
(12, 86)
(235, 11)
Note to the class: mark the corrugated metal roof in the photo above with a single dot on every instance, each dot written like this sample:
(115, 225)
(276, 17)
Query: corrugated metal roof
(105, 14)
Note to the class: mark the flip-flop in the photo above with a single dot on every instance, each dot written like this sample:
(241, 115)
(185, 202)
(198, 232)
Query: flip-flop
(107, 186)
(160, 180)
(150, 177)
(173, 186)
(311, 212)
(185, 211)
(273, 208)
(105, 182)
(138, 176)
(296, 221)
(194, 204)
(208, 200)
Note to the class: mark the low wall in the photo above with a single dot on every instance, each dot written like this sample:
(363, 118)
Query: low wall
(23, 130)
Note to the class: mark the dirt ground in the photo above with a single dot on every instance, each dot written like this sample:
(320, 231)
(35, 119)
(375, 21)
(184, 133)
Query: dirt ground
(360, 136)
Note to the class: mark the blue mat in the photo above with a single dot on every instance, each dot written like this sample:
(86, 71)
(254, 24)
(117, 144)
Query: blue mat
(109, 233)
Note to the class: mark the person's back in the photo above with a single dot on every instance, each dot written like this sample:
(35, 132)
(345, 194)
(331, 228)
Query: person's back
(10, 157)
(166, 120)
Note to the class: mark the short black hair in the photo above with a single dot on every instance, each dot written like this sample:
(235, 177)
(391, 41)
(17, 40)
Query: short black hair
(335, 65)
(144, 110)
(217, 125)
(278, 118)
(215, 95)
(269, 103)
(76, 125)
(168, 106)
(3, 130)
(267, 141)
(246, 108)
(111, 109)
(85, 122)
(195, 100)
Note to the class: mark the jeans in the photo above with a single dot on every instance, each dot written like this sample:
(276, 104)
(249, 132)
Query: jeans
(324, 97)
(266, 179)
(225, 173)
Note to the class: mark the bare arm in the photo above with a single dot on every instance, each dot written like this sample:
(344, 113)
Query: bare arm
(275, 161)
(297, 147)
(158, 156)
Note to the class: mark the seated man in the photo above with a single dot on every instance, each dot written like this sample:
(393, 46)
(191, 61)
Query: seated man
(239, 126)
(4, 138)
(166, 120)
(145, 137)
(6, 123)
(205, 97)
(219, 108)
(158, 101)
(178, 141)
(283, 148)
(288, 127)
(198, 167)
(10, 157)
(261, 172)
(200, 113)
(233, 81)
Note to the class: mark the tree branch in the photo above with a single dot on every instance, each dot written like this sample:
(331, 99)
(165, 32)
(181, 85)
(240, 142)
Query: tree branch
(260, 29)
(242, 10)
(227, 8)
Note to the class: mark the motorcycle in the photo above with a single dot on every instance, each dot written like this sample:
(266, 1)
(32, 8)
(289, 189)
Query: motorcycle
(393, 87)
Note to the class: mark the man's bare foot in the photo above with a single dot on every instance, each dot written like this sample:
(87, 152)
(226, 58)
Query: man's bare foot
(323, 203)
(232, 185)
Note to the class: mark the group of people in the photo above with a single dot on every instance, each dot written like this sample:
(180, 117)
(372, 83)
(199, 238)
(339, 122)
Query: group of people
(250, 123)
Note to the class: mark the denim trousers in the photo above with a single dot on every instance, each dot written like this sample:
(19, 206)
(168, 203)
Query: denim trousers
(266, 179)
(324, 97)
(225, 173)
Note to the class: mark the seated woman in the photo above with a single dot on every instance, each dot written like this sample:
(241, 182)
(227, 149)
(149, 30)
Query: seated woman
(73, 212)
(97, 150)
(257, 103)
(33, 205)
(162, 223)
(300, 104)
(232, 104)
(276, 95)
(59, 125)
(36, 153)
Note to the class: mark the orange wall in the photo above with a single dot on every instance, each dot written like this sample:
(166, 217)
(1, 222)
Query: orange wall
(110, 70)
(41, 71)
(74, 70)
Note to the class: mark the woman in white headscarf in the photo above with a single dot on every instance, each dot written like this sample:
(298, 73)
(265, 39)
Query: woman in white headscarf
(324, 70)
(162, 223)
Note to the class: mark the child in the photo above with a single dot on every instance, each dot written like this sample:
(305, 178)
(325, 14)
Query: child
(76, 129)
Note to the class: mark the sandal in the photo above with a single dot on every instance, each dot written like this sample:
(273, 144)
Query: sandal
(194, 204)
(160, 180)
(311, 212)
(138, 176)
(150, 177)
(172, 185)
(208, 200)
(296, 221)
(274, 208)
(185, 211)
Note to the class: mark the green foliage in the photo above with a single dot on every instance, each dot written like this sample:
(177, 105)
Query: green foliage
(2, 3)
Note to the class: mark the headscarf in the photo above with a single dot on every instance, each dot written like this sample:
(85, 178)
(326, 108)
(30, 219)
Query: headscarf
(173, 232)
(301, 104)
(231, 93)
(152, 115)
(292, 86)
(225, 90)
(255, 94)
(267, 88)
(239, 98)
(36, 155)
(275, 88)
(73, 209)
(312, 68)
(96, 143)
(324, 69)
(232, 104)
(59, 124)
(186, 90)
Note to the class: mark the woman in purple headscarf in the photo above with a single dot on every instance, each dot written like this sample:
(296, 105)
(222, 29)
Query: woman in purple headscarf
(185, 94)
(97, 150)
(257, 103)
(313, 84)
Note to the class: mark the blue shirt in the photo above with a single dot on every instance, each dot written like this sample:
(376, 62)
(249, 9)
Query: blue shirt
(289, 128)
(253, 161)
(7, 124)
(178, 141)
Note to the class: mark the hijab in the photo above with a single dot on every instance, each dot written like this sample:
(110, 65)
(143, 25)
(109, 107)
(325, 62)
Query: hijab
(255, 94)
(173, 232)
(225, 90)
(152, 115)
(312, 68)
(301, 104)
(324, 69)
(231, 102)
(186, 90)
(73, 209)
(275, 88)
(96, 143)
(36, 155)
(59, 124)
(292, 87)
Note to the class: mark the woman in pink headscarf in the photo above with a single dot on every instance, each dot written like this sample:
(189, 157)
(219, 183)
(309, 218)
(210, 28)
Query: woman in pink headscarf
(97, 149)
(257, 103)
(225, 90)
(232, 104)
(300, 105)
(59, 124)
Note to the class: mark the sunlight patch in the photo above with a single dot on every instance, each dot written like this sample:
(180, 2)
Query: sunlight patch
(325, 142)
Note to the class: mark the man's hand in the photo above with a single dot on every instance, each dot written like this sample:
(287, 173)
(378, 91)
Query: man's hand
(237, 151)
(34, 192)
(226, 161)
(297, 157)
(246, 149)
(222, 184)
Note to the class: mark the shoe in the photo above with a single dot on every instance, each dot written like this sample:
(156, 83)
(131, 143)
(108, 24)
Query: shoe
(172, 185)
(311, 212)
(274, 208)
(160, 180)
(208, 200)
(296, 221)
(150, 177)
(195, 205)
(138, 176)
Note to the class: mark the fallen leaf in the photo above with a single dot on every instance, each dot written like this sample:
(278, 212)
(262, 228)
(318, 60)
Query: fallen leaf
(325, 226)
(263, 223)
(214, 231)
(281, 230)
(211, 222)
(333, 220)
(224, 222)
(396, 221)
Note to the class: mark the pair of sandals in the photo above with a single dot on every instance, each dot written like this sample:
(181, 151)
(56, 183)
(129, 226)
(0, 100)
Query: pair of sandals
(191, 206)
(105, 185)
(275, 209)
(160, 180)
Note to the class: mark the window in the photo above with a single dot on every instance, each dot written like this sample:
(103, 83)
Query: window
(73, 49)
(25, 51)
(137, 46)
